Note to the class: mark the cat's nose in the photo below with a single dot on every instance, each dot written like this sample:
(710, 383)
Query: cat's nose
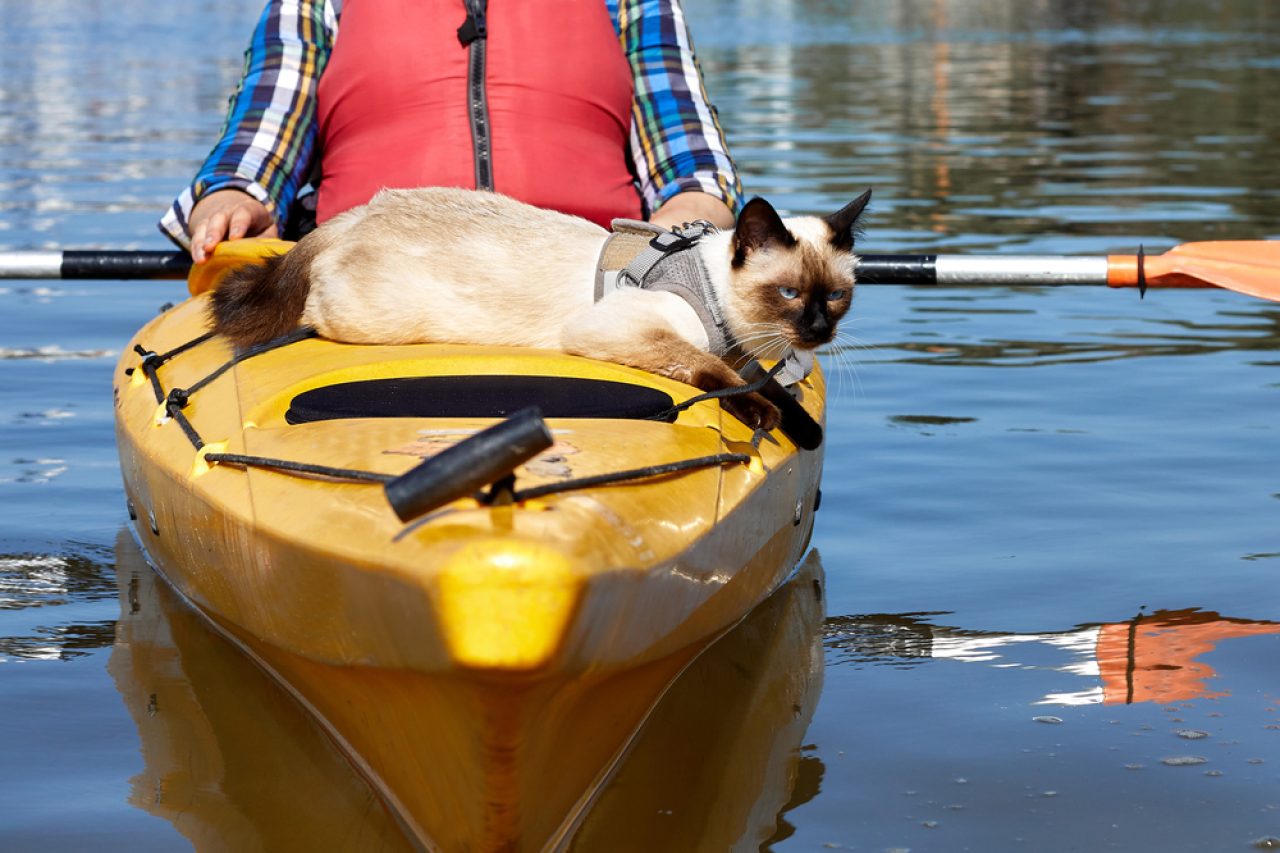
(820, 327)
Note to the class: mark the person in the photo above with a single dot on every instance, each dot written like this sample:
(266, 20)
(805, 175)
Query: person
(593, 107)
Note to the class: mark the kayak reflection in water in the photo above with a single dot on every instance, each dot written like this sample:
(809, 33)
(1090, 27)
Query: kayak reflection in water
(1155, 657)
(233, 762)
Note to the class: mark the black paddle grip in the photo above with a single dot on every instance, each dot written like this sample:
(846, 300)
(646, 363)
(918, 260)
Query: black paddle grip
(106, 265)
(469, 465)
(897, 269)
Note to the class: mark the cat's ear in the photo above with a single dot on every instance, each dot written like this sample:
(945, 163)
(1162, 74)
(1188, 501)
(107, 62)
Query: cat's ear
(844, 223)
(759, 227)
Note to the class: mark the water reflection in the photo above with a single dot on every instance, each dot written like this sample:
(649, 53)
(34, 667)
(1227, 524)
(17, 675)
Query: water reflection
(718, 764)
(1253, 330)
(1035, 127)
(1153, 657)
(983, 125)
(229, 758)
(50, 591)
(93, 138)
(713, 767)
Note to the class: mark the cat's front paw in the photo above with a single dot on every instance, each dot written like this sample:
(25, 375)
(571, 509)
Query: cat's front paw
(754, 411)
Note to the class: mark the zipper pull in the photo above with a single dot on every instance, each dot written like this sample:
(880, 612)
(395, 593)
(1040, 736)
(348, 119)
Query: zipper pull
(474, 26)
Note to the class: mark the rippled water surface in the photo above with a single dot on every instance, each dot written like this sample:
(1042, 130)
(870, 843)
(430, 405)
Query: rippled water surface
(1051, 519)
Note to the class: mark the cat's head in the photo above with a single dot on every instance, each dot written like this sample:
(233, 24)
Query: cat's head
(792, 280)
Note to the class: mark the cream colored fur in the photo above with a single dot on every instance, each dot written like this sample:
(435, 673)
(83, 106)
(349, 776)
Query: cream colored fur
(457, 266)
(442, 265)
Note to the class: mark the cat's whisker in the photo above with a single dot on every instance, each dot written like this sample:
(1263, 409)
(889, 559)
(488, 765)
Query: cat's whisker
(760, 334)
(831, 358)
(770, 345)
(845, 340)
(770, 332)
(764, 338)
(855, 347)
(754, 346)
(843, 364)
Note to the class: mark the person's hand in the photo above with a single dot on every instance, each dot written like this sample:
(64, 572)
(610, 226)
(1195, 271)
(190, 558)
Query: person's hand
(227, 215)
(691, 206)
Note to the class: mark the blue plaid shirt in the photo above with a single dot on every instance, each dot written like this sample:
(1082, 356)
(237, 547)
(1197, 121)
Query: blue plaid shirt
(269, 139)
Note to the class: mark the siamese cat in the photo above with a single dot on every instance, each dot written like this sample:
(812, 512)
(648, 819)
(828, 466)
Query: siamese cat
(443, 265)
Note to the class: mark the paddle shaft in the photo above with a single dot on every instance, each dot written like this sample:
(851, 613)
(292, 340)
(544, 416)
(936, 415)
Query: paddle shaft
(100, 265)
(983, 270)
(955, 270)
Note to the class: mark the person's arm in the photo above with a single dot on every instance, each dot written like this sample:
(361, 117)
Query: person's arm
(264, 154)
(690, 206)
(677, 143)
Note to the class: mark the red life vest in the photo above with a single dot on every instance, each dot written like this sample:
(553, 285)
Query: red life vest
(393, 105)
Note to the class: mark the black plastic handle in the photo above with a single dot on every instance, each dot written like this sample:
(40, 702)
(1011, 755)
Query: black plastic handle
(469, 465)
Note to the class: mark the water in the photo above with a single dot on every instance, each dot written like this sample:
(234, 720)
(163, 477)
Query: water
(1051, 519)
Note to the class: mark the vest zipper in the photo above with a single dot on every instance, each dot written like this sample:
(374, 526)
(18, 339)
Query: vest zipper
(474, 36)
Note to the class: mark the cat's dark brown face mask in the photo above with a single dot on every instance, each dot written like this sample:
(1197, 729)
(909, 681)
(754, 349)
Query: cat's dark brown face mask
(794, 287)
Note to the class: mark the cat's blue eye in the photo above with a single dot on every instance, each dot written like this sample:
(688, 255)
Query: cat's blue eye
(835, 296)
(788, 292)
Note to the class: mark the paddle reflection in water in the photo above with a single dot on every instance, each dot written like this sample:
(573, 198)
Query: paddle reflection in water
(233, 762)
(1155, 657)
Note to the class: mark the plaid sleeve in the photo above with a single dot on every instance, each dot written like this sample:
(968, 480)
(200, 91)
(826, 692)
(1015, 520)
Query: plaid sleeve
(267, 142)
(676, 140)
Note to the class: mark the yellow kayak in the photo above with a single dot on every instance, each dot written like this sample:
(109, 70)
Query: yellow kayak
(471, 639)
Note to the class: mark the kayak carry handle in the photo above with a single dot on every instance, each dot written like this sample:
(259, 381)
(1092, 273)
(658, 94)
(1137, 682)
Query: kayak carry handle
(469, 465)
(797, 424)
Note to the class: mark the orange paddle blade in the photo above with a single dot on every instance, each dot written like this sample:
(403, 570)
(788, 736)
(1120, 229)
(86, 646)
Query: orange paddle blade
(1251, 267)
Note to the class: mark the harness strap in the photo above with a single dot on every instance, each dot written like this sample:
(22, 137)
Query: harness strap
(628, 240)
(639, 254)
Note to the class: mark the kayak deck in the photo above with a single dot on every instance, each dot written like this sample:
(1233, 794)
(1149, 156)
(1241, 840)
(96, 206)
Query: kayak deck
(323, 569)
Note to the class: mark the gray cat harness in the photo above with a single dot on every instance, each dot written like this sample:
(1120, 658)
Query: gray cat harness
(650, 257)
(639, 254)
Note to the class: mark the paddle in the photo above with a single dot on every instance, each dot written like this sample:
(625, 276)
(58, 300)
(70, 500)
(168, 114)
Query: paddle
(1247, 266)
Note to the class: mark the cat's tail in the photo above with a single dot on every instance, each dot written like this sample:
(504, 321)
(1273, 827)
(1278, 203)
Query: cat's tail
(259, 302)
